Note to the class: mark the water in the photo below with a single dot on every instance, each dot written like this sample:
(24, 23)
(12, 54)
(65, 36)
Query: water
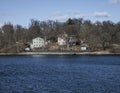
(59, 74)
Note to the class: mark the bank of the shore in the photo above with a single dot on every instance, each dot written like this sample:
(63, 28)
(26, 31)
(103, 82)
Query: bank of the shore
(61, 53)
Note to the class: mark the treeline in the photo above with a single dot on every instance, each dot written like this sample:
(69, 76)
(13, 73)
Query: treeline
(95, 34)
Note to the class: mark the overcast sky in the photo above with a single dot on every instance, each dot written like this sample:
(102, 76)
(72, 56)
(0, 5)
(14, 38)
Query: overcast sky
(22, 11)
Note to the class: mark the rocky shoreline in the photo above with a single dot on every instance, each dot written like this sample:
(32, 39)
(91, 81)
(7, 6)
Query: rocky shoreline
(60, 53)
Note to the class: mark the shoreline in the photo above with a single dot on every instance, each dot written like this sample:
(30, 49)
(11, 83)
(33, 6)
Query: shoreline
(58, 53)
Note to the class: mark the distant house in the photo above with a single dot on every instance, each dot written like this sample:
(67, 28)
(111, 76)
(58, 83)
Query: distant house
(62, 39)
(37, 43)
(73, 40)
(84, 47)
(27, 49)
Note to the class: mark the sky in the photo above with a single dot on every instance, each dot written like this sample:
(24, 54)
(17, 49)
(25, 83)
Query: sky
(22, 11)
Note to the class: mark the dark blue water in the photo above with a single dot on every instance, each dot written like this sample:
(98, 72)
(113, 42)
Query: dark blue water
(59, 74)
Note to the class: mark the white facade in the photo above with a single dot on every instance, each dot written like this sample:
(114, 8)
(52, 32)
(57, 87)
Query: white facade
(83, 48)
(37, 42)
(62, 41)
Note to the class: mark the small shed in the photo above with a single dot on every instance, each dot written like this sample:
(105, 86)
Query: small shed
(84, 47)
(27, 49)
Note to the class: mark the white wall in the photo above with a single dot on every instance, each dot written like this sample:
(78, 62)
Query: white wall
(61, 41)
(83, 48)
(37, 42)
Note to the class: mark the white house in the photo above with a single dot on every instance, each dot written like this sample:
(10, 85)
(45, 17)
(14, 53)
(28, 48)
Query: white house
(62, 41)
(37, 43)
(84, 47)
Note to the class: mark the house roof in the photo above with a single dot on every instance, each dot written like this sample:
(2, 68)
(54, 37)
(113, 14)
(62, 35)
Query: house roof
(84, 45)
(38, 38)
